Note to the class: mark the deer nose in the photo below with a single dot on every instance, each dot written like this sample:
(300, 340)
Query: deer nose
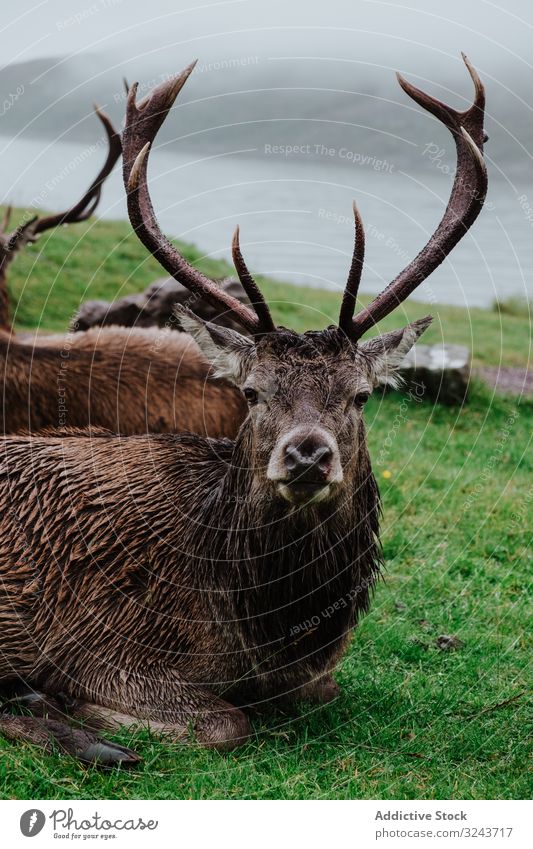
(307, 461)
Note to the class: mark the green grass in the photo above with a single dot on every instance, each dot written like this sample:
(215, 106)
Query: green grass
(514, 305)
(412, 721)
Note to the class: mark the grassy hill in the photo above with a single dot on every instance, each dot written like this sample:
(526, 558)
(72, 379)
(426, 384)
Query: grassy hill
(414, 719)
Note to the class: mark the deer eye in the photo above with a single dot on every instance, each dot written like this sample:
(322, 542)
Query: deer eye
(361, 398)
(250, 395)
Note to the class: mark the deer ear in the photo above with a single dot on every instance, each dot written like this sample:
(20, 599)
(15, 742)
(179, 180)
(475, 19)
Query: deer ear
(385, 353)
(230, 353)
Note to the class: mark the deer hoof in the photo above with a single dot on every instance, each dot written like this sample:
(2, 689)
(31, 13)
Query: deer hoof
(104, 753)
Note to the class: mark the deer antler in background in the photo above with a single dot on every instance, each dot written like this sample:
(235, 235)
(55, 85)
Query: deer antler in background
(28, 231)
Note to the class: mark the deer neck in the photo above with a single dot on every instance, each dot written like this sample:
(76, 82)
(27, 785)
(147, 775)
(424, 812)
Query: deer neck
(288, 572)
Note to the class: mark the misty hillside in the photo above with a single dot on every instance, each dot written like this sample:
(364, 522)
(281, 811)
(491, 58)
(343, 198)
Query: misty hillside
(256, 105)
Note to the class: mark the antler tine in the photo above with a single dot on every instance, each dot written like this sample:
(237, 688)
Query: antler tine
(465, 203)
(354, 277)
(249, 285)
(84, 208)
(143, 121)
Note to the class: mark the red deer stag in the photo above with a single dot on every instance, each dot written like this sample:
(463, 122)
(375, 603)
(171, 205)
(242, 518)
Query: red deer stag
(128, 381)
(165, 579)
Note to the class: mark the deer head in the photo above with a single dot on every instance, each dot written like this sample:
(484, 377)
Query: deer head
(30, 229)
(306, 392)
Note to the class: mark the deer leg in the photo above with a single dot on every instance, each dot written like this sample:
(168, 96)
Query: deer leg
(219, 728)
(320, 691)
(45, 723)
(51, 734)
(37, 704)
(219, 725)
(166, 706)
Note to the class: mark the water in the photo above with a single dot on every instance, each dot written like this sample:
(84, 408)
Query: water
(295, 216)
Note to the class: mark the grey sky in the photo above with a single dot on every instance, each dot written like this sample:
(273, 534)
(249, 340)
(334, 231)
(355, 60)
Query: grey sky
(385, 30)
(83, 49)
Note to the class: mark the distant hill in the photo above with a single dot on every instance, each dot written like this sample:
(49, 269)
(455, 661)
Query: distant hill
(251, 103)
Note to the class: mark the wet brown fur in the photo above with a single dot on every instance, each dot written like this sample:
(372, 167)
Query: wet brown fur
(159, 579)
(128, 381)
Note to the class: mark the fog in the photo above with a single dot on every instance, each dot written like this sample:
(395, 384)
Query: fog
(258, 61)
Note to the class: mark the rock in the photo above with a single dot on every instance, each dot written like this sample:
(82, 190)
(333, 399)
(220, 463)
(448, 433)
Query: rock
(154, 307)
(508, 380)
(438, 372)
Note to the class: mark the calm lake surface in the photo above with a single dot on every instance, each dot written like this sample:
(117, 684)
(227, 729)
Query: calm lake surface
(295, 214)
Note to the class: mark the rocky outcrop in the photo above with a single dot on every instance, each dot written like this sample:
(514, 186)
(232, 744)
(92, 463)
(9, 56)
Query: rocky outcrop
(442, 370)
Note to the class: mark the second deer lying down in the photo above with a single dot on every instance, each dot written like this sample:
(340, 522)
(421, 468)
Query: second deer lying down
(166, 579)
(155, 307)
(128, 381)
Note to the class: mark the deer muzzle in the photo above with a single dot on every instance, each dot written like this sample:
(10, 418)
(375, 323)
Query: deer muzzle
(305, 465)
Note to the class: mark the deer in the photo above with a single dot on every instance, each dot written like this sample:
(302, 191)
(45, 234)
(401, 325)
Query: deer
(155, 307)
(127, 381)
(165, 581)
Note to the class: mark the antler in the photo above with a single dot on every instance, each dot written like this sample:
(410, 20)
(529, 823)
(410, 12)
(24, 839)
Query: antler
(88, 203)
(143, 121)
(250, 286)
(465, 204)
(354, 277)
(27, 231)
